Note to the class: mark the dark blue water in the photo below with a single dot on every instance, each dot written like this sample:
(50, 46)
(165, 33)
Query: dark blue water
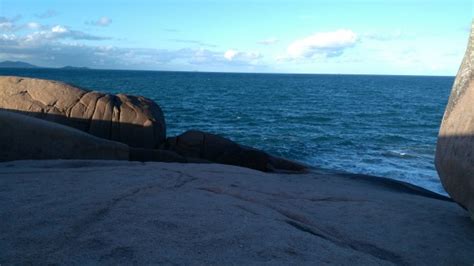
(379, 125)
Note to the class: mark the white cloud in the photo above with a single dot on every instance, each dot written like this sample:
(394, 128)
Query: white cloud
(58, 29)
(242, 58)
(327, 44)
(59, 45)
(9, 24)
(46, 48)
(8, 37)
(33, 25)
(6, 26)
(58, 32)
(101, 22)
(12, 25)
(268, 41)
(230, 54)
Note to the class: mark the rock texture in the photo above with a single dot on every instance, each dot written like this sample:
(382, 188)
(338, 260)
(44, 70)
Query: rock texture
(24, 137)
(130, 213)
(455, 148)
(135, 121)
(210, 147)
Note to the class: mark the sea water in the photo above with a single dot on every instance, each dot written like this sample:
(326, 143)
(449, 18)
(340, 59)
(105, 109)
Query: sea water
(378, 125)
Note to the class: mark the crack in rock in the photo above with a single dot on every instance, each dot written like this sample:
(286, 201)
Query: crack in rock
(180, 182)
(303, 224)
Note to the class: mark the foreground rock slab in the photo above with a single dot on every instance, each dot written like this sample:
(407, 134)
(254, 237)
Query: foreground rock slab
(455, 148)
(119, 212)
(133, 120)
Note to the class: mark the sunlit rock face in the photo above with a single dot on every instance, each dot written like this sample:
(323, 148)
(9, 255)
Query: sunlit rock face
(135, 121)
(455, 148)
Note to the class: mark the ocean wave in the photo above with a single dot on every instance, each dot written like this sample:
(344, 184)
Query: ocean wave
(399, 154)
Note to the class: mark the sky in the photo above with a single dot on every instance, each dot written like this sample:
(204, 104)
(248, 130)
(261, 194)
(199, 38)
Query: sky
(398, 37)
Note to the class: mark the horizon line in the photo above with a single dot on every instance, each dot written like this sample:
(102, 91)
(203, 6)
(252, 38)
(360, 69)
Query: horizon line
(85, 68)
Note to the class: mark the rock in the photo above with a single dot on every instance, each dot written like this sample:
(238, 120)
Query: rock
(135, 121)
(146, 155)
(24, 137)
(128, 213)
(455, 147)
(217, 149)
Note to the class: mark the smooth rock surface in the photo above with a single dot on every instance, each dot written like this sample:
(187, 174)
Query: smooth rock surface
(217, 149)
(455, 147)
(135, 121)
(111, 212)
(25, 137)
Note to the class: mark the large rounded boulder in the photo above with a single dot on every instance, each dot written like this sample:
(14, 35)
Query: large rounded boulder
(455, 148)
(135, 121)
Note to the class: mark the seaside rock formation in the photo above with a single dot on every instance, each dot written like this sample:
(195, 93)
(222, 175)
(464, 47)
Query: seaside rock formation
(135, 121)
(131, 120)
(23, 137)
(455, 148)
(217, 149)
(127, 213)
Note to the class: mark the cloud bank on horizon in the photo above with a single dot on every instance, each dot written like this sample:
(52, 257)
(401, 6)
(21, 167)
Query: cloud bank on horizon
(353, 37)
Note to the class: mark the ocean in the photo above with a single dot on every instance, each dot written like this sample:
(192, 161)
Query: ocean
(379, 125)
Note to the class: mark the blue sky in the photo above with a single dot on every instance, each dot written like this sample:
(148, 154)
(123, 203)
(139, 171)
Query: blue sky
(414, 37)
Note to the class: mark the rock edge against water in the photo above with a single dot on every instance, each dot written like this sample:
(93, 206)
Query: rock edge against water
(122, 212)
(455, 148)
(117, 120)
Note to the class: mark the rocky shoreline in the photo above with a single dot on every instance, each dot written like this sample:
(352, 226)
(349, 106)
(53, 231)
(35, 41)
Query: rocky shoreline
(132, 128)
(121, 204)
(92, 178)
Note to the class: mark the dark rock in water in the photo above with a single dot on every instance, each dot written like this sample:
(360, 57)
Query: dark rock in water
(217, 149)
(24, 137)
(135, 121)
(455, 148)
